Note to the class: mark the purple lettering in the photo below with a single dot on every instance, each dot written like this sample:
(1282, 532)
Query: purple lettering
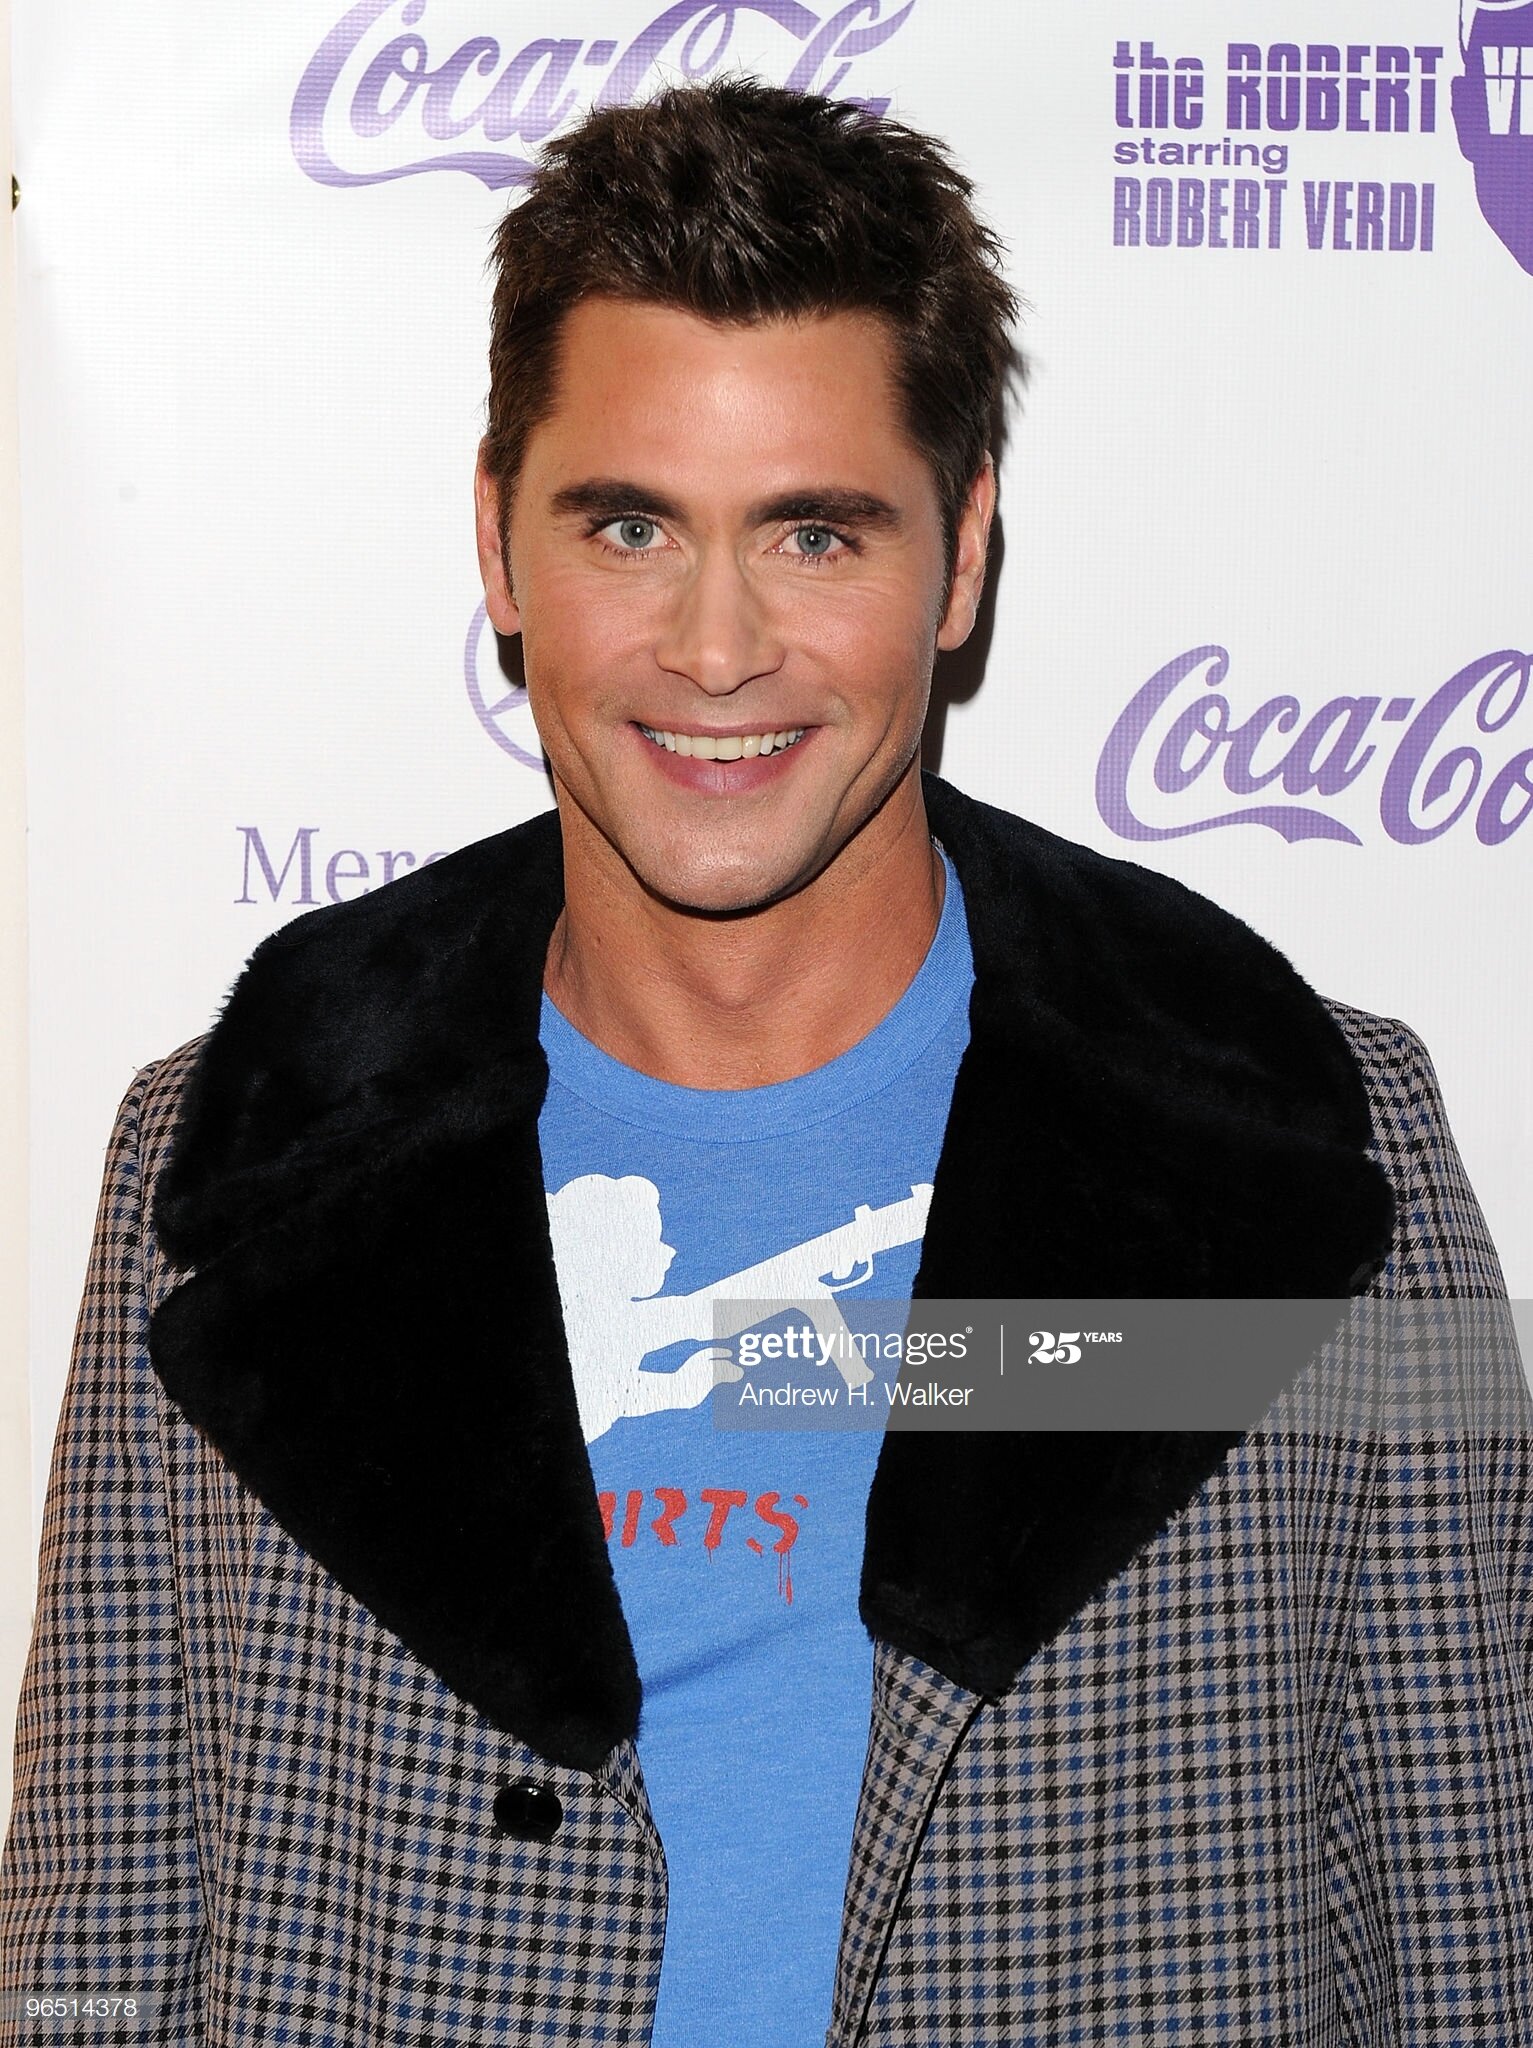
(1243, 93)
(1358, 86)
(839, 39)
(1322, 94)
(317, 87)
(365, 79)
(1342, 215)
(1154, 87)
(1189, 213)
(346, 866)
(1248, 214)
(1174, 727)
(1278, 714)
(1132, 732)
(1317, 206)
(508, 113)
(301, 850)
(1159, 213)
(1187, 95)
(1123, 62)
(1283, 97)
(1370, 216)
(405, 59)
(636, 62)
(1341, 766)
(1391, 91)
(1461, 766)
(1428, 56)
(1125, 213)
(1402, 217)
(438, 117)
(1209, 720)
(1494, 824)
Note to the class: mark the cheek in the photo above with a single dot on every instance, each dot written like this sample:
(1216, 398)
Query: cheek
(584, 611)
(586, 614)
(851, 604)
(578, 643)
(875, 643)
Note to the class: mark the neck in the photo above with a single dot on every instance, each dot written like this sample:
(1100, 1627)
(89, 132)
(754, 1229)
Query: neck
(740, 1002)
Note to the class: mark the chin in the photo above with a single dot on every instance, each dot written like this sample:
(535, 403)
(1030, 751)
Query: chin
(720, 901)
(714, 891)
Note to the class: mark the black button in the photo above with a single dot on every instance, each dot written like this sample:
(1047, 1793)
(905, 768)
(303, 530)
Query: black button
(530, 1812)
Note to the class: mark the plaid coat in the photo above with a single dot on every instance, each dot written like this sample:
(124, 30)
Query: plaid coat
(327, 1733)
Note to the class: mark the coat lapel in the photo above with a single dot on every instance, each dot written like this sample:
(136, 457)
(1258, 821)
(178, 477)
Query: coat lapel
(1151, 1104)
(372, 1336)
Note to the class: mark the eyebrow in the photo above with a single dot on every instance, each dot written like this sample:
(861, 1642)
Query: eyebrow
(610, 497)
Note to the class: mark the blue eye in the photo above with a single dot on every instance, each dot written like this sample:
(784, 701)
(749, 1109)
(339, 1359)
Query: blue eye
(814, 540)
(635, 533)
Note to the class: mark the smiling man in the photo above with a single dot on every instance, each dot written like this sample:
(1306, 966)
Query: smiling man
(416, 1661)
(727, 561)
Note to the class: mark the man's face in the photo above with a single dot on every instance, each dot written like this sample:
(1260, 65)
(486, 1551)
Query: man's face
(723, 534)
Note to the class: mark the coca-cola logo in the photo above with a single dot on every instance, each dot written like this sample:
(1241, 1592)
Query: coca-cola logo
(1182, 758)
(382, 98)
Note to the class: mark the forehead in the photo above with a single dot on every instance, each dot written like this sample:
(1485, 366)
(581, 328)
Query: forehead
(645, 390)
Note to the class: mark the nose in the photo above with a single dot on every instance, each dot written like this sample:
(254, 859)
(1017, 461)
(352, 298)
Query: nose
(718, 632)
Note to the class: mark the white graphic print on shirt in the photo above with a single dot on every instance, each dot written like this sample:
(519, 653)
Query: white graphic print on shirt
(611, 1258)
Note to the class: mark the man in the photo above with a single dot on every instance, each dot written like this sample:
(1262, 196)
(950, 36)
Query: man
(415, 1660)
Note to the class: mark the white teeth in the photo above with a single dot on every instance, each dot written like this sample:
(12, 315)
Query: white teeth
(736, 747)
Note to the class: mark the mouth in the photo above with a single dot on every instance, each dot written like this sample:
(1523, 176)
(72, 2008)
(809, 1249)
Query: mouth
(738, 746)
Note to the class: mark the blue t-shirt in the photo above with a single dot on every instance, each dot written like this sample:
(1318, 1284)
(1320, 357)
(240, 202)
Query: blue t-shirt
(738, 1553)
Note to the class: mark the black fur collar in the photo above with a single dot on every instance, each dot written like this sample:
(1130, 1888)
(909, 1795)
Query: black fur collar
(1152, 1103)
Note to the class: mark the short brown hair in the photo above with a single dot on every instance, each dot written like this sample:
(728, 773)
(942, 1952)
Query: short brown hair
(739, 201)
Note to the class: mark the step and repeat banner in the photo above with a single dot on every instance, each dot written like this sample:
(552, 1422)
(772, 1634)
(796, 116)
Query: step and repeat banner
(1263, 602)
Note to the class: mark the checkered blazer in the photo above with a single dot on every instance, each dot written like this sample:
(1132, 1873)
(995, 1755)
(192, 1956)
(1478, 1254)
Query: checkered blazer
(1270, 1784)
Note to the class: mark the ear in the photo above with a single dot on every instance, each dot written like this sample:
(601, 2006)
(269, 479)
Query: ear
(494, 567)
(969, 559)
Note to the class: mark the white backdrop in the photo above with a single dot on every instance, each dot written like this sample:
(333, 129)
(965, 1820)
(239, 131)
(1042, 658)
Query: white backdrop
(253, 316)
